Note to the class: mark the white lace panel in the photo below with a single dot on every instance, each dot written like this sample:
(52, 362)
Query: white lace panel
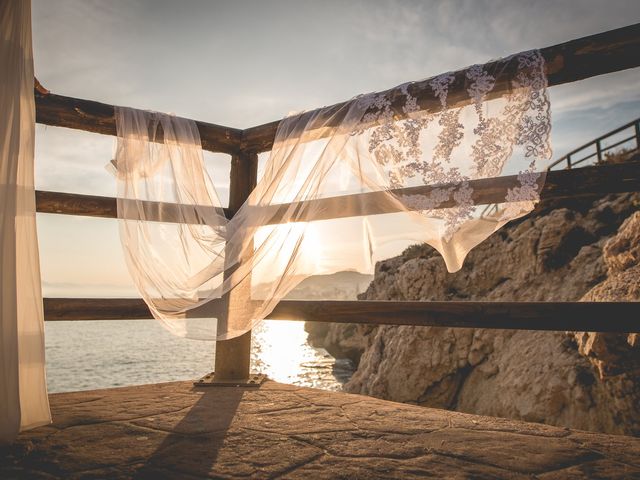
(344, 187)
(508, 135)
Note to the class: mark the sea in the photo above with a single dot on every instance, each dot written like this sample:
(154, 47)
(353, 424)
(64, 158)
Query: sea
(87, 355)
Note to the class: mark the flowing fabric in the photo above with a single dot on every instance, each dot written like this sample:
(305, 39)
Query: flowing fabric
(23, 390)
(344, 187)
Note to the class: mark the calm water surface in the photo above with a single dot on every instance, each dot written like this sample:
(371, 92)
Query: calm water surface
(101, 354)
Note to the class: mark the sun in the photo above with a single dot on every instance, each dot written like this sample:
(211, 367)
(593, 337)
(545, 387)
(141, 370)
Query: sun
(293, 248)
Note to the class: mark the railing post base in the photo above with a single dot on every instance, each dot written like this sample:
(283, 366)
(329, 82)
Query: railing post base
(210, 380)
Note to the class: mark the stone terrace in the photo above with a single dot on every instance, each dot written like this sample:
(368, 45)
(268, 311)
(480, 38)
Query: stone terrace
(174, 430)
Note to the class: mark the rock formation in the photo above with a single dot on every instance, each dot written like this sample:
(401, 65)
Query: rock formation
(616, 354)
(579, 380)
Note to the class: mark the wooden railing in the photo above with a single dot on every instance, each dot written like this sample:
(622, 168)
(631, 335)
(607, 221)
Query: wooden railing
(599, 149)
(568, 62)
(600, 152)
(96, 117)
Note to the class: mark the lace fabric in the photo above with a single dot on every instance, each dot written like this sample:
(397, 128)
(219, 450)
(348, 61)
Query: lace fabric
(343, 187)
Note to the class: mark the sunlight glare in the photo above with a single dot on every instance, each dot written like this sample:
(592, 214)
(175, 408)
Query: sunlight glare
(283, 354)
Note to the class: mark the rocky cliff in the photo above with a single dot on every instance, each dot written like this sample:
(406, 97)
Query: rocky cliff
(580, 380)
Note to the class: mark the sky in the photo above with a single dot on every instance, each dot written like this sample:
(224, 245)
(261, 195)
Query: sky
(243, 63)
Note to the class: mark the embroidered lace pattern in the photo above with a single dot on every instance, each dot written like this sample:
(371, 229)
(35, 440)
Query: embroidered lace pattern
(462, 153)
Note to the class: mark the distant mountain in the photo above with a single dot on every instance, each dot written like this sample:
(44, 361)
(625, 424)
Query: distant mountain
(338, 286)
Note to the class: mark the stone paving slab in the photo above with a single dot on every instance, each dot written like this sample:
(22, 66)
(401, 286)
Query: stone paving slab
(174, 430)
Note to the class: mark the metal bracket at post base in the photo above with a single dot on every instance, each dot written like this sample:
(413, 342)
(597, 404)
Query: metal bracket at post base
(210, 380)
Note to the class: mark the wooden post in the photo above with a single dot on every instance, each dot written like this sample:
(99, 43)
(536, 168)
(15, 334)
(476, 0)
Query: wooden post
(233, 357)
(599, 151)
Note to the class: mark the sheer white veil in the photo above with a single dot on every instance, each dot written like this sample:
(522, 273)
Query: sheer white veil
(344, 187)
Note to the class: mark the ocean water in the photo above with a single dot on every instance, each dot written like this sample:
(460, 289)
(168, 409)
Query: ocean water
(86, 355)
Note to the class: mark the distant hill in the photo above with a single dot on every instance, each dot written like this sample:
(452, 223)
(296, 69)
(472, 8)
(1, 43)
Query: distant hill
(338, 286)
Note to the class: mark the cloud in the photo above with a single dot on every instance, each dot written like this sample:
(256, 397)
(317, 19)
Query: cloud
(604, 91)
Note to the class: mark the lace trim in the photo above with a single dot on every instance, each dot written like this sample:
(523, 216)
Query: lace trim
(523, 121)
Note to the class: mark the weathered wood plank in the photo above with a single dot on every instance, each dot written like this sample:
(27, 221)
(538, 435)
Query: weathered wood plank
(106, 207)
(96, 117)
(567, 62)
(559, 185)
(76, 204)
(96, 309)
(580, 316)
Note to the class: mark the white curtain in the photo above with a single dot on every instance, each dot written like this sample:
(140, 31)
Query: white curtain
(402, 174)
(23, 389)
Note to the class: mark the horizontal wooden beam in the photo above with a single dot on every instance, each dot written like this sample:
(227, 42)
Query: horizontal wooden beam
(634, 123)
(96, 117)
(586, 57)
(106, 207)
(561, 316)
(96, 309)
(559, 185)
